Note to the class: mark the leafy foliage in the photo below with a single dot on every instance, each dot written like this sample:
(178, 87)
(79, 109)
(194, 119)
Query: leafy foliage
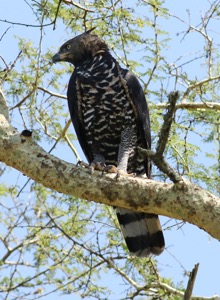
(51, 243)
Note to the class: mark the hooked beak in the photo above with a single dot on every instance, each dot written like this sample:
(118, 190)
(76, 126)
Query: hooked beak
(56, 58)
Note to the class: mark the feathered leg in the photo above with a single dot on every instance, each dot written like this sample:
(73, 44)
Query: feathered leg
(142, 232)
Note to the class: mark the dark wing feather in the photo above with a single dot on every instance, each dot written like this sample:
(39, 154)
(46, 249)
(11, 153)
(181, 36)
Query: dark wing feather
(142, 231)
(73, 97)
(141, 112)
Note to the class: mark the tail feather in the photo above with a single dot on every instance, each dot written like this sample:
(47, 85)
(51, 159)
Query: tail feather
(142, 232)
(156, 234)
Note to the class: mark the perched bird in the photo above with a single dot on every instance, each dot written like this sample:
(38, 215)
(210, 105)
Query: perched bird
(111, 119)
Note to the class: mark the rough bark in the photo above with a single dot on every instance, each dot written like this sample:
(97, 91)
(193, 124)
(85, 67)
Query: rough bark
(181, 200)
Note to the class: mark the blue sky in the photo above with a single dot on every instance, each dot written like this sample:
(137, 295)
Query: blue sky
(188, 245)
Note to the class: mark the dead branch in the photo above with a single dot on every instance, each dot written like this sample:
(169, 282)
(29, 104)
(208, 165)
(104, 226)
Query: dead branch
(191, 282)
(157, 157)
(168, 119)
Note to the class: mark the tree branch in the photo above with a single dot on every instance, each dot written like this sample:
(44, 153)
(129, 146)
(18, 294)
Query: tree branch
(78, 5)
(164, 105)
(190, 285)
(191, 106)
(52, 93)
(27, 25)
(157, 157)
(182, 200)
(162, 165)
(168, 119)
(198, 85)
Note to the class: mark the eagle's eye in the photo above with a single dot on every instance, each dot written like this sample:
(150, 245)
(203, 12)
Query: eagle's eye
(68, 46)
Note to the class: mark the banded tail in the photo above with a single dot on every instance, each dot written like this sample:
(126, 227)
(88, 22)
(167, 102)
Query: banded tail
(142, 232)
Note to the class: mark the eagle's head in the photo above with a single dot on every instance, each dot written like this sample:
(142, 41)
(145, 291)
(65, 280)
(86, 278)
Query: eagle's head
(80, 48)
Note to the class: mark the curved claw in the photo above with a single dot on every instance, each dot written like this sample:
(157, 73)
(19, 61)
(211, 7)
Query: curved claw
(121, 173)
(110, 169)
(114, 169)
(82, 164)
(99, 166)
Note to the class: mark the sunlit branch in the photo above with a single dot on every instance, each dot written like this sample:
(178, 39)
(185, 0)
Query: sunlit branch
(26, 25)
(191, 282)
(77, 5)
(198, 84)
(51, 93)
(164, 105)
(9, 68)
(190, 105)
(157, 156)
(168, 119)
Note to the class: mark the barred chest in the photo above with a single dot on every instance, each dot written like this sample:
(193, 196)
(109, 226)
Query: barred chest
(103, 106)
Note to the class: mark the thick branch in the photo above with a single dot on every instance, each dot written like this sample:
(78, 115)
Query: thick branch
(157, 156)
(162, 165)
(181, 200)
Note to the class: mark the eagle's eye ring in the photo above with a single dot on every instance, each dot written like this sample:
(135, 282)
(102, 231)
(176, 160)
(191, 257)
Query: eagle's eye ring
(68, 47)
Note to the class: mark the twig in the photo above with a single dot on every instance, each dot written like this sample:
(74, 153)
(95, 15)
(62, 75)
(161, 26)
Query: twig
(156, 50)
(199, 84)
(6, 66)
(22, 101)
(26, 25)
(11, 67)
(56, 14)
(78, 5)
(190, 285)
(190, 105)
(72, 147)
(33, 25)
(4, 33)
(52, 93)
